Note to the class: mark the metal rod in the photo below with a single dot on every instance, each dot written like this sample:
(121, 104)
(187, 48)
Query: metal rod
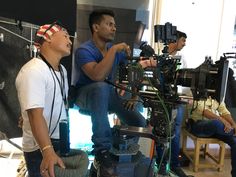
(15, 34)
(32, 27)
(12, 23)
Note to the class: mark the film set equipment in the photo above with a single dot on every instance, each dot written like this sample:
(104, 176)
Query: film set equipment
(162, 99)
(208, 79)
(160, 95)
(157, 86)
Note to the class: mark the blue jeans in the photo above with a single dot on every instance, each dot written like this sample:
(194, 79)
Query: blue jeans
(33, 159)
(175, 142)
(100, 98)
(215, 129)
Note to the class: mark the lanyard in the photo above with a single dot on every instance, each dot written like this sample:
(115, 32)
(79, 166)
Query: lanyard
(62, 90)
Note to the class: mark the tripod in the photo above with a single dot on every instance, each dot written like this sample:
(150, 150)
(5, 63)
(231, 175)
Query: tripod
(147, 133)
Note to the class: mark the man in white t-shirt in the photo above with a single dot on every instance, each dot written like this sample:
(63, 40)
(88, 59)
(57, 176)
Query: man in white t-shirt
(173, 49)
(42, 88)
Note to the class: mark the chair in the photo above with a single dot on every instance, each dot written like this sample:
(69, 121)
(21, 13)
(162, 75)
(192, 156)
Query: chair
(203, 144)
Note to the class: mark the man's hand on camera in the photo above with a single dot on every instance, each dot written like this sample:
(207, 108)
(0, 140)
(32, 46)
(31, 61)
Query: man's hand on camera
(148, 62)
(123, 47)
(131, 103)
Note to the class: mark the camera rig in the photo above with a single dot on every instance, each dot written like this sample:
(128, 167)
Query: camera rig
(157, 86)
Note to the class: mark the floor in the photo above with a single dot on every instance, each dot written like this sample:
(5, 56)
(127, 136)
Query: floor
(11, 158)
(211, 172)
(8, 168)
(214, 149)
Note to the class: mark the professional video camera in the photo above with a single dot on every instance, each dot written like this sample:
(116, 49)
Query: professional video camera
(161, 94)
(161, 81)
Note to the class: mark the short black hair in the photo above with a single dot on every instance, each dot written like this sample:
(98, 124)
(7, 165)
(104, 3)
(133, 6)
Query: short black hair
(180, 34)
(96, 16)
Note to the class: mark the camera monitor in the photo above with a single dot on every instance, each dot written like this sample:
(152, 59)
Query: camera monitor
(165, 33)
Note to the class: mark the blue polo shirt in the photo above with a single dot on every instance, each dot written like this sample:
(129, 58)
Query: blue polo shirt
(88, 52)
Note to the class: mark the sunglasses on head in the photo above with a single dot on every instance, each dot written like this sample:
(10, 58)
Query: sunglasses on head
(58, 23)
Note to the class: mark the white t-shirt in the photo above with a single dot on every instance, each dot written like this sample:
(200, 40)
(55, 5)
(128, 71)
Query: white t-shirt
(181, 89)
(36, 85)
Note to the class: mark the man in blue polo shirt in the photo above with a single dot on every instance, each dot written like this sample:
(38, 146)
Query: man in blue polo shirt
(97, 61)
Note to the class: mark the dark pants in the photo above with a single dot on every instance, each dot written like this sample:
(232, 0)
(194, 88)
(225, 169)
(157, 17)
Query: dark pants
(76, 163)
(215, 129)
(33, 161)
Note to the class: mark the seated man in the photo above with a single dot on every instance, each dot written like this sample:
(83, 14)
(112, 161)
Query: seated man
(96, 62)
(212, 119)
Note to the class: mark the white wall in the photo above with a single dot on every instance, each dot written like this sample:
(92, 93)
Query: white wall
(227, 27)
(208, 24)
